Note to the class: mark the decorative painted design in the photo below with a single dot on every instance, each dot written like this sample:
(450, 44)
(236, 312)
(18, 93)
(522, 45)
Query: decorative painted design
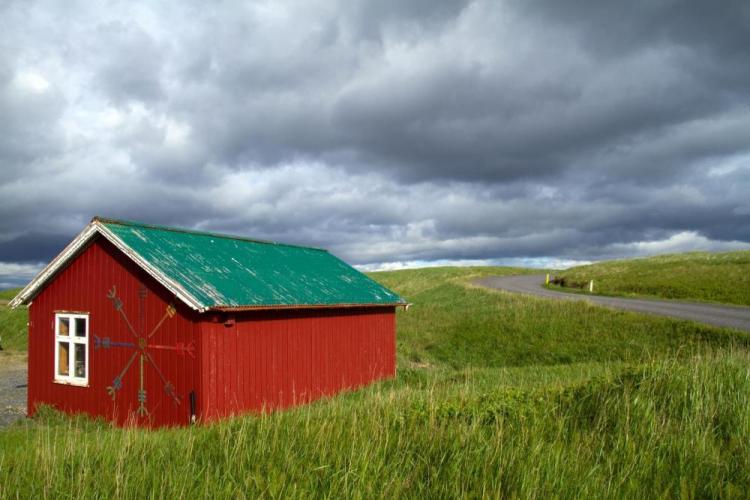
(141, 347)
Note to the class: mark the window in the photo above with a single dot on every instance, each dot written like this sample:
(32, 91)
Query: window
(72, 348)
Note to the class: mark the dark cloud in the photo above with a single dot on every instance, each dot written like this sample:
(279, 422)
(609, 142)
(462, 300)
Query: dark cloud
(30, 109)
(374, 20)
(387, 131)
(32, 247)
(616, 28)
(133, 64)
(484, 95)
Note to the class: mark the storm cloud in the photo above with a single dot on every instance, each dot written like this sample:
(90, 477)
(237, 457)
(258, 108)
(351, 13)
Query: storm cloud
(393, 133)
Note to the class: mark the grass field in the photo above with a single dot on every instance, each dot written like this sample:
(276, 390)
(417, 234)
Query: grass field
(496, 395)
(698, 276)
(12, 323)
(9, 293)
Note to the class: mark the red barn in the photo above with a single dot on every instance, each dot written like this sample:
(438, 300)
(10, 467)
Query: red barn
(153, 326)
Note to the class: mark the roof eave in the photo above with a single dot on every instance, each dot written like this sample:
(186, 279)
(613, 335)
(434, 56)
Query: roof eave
(154, 272)
(98, 226)
(286, 307)
(78, 243)
(30, 290)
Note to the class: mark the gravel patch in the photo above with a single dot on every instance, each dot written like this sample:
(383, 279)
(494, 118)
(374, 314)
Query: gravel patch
(12, 389)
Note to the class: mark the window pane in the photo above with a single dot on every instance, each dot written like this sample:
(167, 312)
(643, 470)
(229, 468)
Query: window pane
(80, 327)
(62, 358)
(80, 360)
(63, 326)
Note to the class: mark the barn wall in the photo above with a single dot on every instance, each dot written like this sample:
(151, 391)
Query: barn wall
(83, 287)
(272, 360)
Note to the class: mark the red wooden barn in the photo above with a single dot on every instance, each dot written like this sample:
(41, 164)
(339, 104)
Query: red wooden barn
(155, 326)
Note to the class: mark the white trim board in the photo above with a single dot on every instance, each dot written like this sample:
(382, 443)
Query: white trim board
(79, 243)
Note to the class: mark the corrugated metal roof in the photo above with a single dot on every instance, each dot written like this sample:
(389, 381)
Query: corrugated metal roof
(221, 271)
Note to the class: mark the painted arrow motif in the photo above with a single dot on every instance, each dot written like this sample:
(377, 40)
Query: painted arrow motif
(141, 347)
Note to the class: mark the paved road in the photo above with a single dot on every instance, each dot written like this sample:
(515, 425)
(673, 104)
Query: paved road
(728, 316)
(12, 389)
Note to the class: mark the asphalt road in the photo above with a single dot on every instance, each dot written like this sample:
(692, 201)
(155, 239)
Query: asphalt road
(737, 317)
(12, 389)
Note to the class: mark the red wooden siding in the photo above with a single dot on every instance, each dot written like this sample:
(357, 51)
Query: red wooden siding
(255, 361)
(270, 360)
(83, 287)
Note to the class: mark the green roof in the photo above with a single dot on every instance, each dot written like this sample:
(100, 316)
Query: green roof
(221, 271)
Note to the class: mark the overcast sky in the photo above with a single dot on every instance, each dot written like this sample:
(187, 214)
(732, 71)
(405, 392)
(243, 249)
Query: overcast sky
(394, 133)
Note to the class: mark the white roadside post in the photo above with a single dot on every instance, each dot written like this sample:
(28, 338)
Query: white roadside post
(591, 286)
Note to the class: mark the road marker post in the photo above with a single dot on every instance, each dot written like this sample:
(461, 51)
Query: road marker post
(546, 282)
(591, 286)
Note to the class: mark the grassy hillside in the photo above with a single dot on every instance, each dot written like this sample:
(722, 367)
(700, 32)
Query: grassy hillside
(12, 323)
(8, 293)
(460, 326)
(496, 395)
(699, 276)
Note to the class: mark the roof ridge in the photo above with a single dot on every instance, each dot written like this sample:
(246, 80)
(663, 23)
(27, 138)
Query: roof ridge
(123, 222)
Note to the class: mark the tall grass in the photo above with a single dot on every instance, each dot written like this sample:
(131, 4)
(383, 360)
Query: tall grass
(699, 276)
(496, 396)
(663, 428)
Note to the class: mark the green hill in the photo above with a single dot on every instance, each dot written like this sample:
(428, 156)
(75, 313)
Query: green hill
(496, 395)
(12, 323)
(459, 326)
(698, 276)
(8, 293)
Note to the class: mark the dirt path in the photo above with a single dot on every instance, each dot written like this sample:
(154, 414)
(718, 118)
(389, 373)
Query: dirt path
(727, 316)
(12, 389)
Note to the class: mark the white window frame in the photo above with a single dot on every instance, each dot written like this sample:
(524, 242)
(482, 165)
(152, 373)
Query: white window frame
(72, 340)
